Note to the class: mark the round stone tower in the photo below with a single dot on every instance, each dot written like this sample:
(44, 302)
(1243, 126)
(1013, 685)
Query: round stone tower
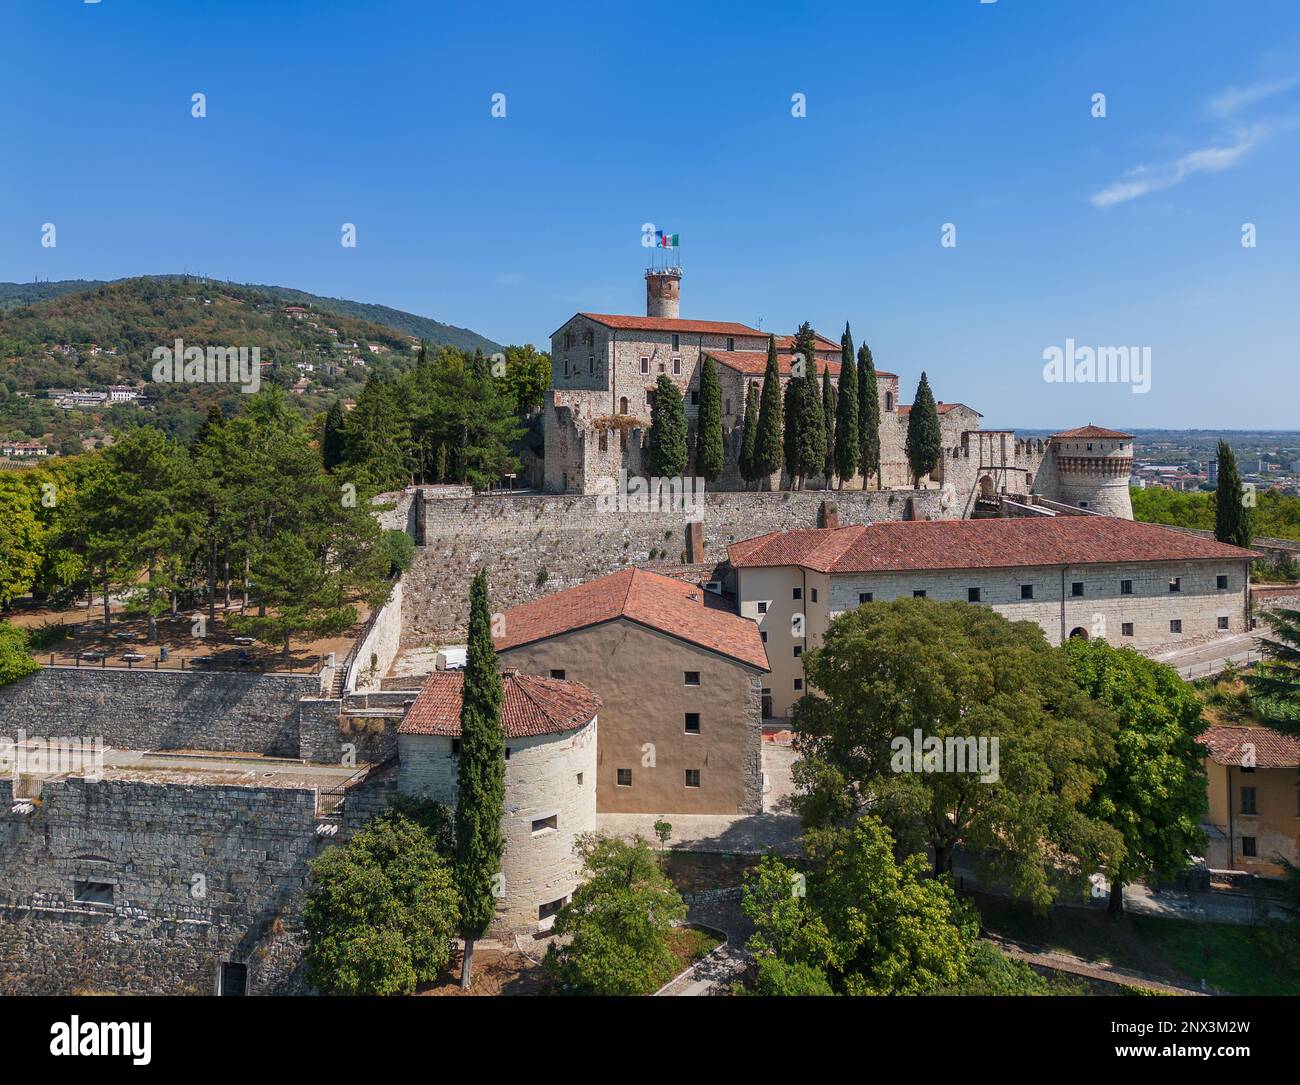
(663, 292)
(1094, 466)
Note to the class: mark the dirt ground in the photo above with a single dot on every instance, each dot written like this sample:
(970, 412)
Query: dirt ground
(496, 972)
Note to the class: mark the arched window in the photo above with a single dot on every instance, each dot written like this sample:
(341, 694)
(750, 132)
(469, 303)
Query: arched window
(889, 401)
(622, 405)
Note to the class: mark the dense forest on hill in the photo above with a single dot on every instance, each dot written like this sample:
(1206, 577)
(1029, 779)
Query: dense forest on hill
(1275, 515)
(92, 338)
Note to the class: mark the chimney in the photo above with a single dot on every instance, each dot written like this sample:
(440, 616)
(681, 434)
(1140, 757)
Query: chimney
(828, 515)
(663, 291)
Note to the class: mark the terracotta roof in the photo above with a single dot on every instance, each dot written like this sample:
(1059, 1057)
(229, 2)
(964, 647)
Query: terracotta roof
(942, 408)
(786, 343)
(1273, 750)
(659, 602)
(753, 363)
(916, 545)
(668, 324)
(1093, 431)
(529, 706)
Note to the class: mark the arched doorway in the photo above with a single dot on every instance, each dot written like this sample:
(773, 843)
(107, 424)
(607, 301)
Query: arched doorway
(986, 487)
(1078, 632)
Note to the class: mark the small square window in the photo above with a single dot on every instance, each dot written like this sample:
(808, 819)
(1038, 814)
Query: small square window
(1026, 591)
(972, 595)
(1248, 847)
(695, 398)
(579, 779)
(93, 892)
(814, 594)
(798, 683)
(692, 777)
(797, 593)
(1176, 625)
(763, 636)
(234, 979)
(645, 365)
(546, 825)
(1076, 589)
(864, 597)
(731, 343)
(1221, 582)
(455, 747)
(557, 674)
(1126, 629)
(919, 593)
(1126, 587)
(649, 397)
(692, 723)
(1175, 583)
(1223, 621)
(623, 777)
(798, 650)
(507, 753)
(545, 911)
(691, 678)
(762, 608)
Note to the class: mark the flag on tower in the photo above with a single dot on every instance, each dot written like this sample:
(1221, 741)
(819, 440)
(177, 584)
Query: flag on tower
(666, 241)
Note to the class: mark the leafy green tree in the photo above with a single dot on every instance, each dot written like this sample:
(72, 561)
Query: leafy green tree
(1231, 516)
(749, 436)
(21, 540)
(1275, 684)
(528, 378)
(612, 936)
(398, 551)
(868, 418)
(828, 428)
(481, 774)
(924, 438)
(1153, 791)
(380, 911)
(666, 441)
(957, 673)
(15, 661)
(848, 439)
(771, 424)
(708, 427)
(860, 920)
(332, 436)
(776, 976)
(992, 972)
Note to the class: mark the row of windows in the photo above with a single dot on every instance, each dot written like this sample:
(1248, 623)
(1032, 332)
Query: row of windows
(623, 777)
(689, 678)
(974, 595)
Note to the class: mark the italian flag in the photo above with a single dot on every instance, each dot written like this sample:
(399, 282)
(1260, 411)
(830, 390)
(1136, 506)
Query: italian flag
(668, 241)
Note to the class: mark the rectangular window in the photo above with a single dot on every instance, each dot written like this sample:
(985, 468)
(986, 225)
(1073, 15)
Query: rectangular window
(1248, 847)
(798, 683)
(798, 650)
(558, 674)
(1248, 801)
(677, 367)
(645, 365)
(1076, 589)
(692, 777)
(763, 634)
(677, 342)
(623, 778)
(864, 597)
(692, 723)
(455, 747)
(691, 678)
(649, 397)
(93, 892)
(695, 398)
(1175, 583)
(566, 367)
(731, 343)
(234, 979)
(1176, 625)
(591, 364)
(1221, 582)
(1223, 621)
(545, 911)
(797, 593)
(546, 825)
(1026, 591)
(814, 594)
(919, 593)
(1126, 587)
(762, 608)
(579, 779)
(1126, 629)
(972, 595)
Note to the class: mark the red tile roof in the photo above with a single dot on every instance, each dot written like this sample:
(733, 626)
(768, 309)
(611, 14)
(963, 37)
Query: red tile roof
(529, 706)
(658, 602)
(753, 363)
(942, 408)
(1094, 431)
(668, 324)
(1273, 750)
(916, 545)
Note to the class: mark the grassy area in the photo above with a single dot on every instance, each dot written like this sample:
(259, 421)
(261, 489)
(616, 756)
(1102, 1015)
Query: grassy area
(690, 945)
(1230, 957)
(692, 872)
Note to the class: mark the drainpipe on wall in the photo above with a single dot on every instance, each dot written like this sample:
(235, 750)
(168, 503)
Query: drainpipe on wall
(1064, 638)
(1232, 859)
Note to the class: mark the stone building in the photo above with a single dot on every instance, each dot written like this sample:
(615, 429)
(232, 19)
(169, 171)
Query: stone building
(680, 675)
(1254, 816)
(1132, 583)
(550, 729)
(604, 368)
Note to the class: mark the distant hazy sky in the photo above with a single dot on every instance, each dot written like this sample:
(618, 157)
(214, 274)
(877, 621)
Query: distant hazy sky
(1117, 231)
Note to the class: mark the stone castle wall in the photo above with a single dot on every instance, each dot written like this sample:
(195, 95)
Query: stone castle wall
(533, 546)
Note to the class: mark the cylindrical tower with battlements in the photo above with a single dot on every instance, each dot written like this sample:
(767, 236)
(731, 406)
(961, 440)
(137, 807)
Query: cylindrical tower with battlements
(1093, 466)
(663, 292)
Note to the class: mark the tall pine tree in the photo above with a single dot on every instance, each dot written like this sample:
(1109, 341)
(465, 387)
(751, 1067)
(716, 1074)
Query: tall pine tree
(810, 426)
(791, 417)
(749, 435)
(828, 414)
(480, 785)
(708, 426)
(924, 440)
(868, 418)
(331, 441)
(1231, 517)
(847, 437)
(666, 442)
(771, 424)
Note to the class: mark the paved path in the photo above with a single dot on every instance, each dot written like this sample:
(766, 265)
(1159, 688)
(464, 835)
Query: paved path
(1078, 966)
(1199, 660)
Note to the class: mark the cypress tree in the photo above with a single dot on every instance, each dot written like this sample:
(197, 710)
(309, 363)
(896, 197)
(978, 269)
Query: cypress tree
(767, 446)
(810, 427)
(481, 776)
(790, 438)
(924, 441)
(847, 437)
(708, 429)
(749, 435)
(868, 418)
(331, 442)
(828, 411)
(666, 442)
(1231, 517)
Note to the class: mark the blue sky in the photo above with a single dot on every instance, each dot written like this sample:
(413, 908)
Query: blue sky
(1122, 230)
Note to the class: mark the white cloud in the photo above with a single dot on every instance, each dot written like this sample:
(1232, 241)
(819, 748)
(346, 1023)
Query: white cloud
(1231, 99)
(1146, 179)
